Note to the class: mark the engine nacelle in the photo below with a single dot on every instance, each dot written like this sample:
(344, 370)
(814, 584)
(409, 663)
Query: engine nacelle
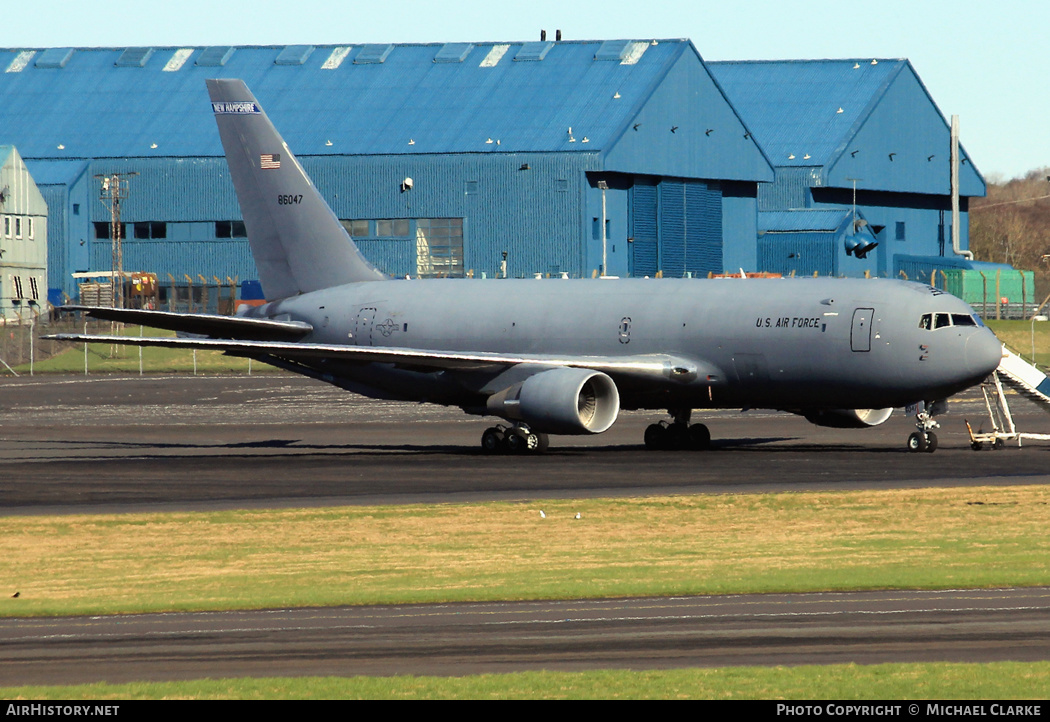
(561, 401)
(848, 418)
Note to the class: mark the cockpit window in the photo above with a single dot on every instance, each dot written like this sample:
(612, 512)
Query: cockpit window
(930, 321)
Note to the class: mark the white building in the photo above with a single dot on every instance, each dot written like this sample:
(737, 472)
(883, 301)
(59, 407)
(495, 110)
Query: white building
(23, 241)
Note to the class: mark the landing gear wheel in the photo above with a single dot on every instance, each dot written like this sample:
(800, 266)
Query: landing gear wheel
(931, 442)
(521, 440)
(655, 436)
(916, 442)
(676, 436)
(516, 442)
(492, 440)
(699, 437)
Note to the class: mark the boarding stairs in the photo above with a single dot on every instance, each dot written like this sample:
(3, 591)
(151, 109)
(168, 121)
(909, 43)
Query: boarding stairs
(1024, 378)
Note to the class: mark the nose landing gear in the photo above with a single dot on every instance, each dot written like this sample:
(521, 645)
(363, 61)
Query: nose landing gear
(924, 439)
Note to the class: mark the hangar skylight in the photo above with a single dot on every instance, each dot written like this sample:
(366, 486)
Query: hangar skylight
(20, 62)
(337, 57)
(294, 55)
(178, 59)
(134, 57)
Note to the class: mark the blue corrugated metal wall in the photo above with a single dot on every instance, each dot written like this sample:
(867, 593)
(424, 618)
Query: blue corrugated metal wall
(535, 214)
(790, 189)
(677, 228)
(57, 231)
(645, 250)
(703, 209)
(495, 196)
(801, 254)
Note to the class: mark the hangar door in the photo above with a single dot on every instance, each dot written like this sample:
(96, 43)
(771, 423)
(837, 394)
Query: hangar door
(677, 228)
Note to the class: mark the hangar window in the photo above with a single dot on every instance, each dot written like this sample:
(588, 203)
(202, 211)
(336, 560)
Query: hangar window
(900, 231)
(18, 227)
(230, 229)
(7, 226)
(421, 247)
(102, 230)
(356, 229)
(439, 248)
(151, 229)
(393, 228)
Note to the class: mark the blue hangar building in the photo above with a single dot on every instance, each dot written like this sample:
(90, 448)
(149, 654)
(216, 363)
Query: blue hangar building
(447, 160)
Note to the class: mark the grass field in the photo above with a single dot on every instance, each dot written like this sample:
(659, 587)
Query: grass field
(717, 544)
(1019, 336)
(111, 359)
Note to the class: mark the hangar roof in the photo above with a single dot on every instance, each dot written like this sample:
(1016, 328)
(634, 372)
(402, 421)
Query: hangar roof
(870, 119)
(66, 103)
(802, 110)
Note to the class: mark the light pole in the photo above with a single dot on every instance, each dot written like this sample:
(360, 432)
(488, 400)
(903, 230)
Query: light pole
(604, 186)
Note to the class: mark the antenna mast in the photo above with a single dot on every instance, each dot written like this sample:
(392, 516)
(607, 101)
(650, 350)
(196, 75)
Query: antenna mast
(114, 190)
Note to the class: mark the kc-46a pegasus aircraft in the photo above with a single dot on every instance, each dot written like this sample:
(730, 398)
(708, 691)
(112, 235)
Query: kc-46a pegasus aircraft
(564, 356)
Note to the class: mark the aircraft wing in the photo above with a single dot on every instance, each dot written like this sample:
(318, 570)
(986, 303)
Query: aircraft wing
(647, 367)
(204, 324)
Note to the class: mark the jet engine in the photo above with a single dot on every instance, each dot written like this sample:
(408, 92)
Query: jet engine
(848, 418)
(560, 401)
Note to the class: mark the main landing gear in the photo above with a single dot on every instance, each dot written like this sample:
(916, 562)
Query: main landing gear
(924, 439)
(678, 434)
(520, 439)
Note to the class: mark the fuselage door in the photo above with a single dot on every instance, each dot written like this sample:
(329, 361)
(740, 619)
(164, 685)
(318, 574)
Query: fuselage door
(363, 328)
(860, 336)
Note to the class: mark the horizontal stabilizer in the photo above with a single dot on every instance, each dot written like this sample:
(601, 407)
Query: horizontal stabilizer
(643, 367)
(249, 329)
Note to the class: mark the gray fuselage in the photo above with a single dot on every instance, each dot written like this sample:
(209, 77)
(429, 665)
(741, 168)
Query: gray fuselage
(772, 343)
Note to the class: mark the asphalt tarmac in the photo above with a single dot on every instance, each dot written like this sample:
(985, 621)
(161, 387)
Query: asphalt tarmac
(459, 639)
(97, 444)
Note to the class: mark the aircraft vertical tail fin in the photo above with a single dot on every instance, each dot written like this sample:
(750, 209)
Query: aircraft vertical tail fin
(298, 243)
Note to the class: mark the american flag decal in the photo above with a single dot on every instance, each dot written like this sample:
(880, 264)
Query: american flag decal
(268, 161)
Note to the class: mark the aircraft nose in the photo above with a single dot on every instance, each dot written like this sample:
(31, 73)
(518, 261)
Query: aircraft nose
(983, 352)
